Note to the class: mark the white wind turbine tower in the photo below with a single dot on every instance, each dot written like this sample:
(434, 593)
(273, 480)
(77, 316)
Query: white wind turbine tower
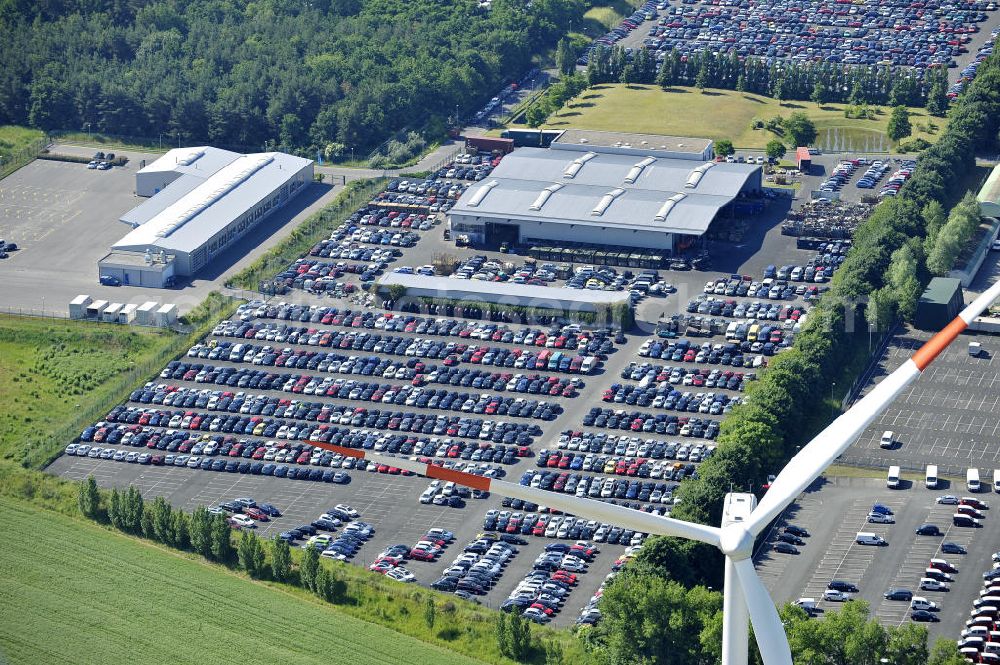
(744, 595)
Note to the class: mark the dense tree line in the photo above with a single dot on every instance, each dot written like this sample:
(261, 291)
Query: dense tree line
(209, 535)
(295, 73)
(820, 82)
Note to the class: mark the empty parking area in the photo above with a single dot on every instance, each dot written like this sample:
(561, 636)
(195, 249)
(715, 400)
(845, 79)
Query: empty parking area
(835, 510)
(64, 217)
(949, 417)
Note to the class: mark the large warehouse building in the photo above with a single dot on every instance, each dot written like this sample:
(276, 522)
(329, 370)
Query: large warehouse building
(600, 188)
(203, 200)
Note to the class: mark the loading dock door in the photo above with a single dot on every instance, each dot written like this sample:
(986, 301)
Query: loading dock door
(497, 233)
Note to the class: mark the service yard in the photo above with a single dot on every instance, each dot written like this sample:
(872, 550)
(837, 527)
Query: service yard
(64, 218)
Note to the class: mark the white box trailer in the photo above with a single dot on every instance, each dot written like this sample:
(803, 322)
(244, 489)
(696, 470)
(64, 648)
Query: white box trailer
(110, 313)
(166, 316)
(78, 307)
(146, 313)
(96, 308)
(127, 313)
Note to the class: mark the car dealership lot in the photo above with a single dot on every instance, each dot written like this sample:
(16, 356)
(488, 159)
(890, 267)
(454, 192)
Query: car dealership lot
(834, 510)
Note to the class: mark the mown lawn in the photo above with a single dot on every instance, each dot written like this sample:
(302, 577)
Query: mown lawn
(601, 18)
(119, 600)
(721, 114)
(51, 371)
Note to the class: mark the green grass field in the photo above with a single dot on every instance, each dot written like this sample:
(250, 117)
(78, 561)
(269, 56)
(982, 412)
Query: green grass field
(51, 371)
(119, 600)
(721, 114)
(13, 138)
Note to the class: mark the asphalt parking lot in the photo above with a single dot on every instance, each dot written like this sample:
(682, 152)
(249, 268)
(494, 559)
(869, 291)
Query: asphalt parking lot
(948, 417)
(390, 503)
(65, 218)
(835, 509)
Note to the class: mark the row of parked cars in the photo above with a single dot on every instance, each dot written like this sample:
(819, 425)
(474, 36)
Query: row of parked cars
(641, 467)
(630, 446)
(731, 352)
(658, 378)
(611, 488)
(637, 421)
(662, 396)
(272, 421)
(980, 638)
(589, 342)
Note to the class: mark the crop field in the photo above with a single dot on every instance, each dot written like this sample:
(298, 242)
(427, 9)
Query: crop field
(50, 371)
(118, 600)
(724, 114)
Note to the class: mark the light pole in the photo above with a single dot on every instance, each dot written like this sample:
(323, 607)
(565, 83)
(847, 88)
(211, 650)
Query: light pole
(86, 126)
(833, 387)
(160, 141)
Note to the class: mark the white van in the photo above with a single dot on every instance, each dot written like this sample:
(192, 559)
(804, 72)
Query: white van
(886, 440)
(931, 477)
(588, 365)
(892, 480)
(972, 480)
(865, 538)
(996, 480)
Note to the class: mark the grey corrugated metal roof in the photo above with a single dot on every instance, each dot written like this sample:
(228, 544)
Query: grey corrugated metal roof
(222, 209)
(650, 141)
(574, 204)
(606, 170)
(647, 184)
(450, 288)
(164, 198)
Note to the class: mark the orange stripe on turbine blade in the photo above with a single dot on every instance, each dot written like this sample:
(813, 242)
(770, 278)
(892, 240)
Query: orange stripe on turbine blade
(460, 477)
(936, 344)
(346, 452)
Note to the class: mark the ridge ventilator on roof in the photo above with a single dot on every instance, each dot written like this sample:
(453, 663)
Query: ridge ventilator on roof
(668, 205)
(190, 157)
(481, 193)
(577, 164)
(544, 195)
(605, 201)
(697, 174)
(224, 186)
(636, 170)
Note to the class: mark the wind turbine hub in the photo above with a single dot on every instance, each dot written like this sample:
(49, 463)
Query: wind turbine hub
(736, 542)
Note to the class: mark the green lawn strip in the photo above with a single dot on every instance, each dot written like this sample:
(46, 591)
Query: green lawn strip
(119, 599)
(717, 114)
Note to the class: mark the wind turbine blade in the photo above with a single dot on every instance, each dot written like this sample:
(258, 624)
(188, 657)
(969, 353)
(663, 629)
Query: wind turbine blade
(586, 508)
(767, 626)
(829, 444)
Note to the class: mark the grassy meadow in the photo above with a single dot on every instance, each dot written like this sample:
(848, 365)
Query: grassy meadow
(719, 114)
(121, 600)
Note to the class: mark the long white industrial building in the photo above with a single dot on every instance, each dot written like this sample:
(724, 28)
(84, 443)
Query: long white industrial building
(202, 200)
(612, 194)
